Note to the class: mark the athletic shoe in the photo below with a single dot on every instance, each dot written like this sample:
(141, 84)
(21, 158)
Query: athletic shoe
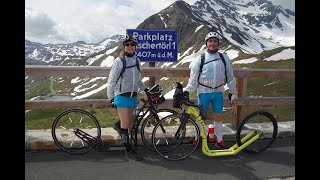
(221, 145)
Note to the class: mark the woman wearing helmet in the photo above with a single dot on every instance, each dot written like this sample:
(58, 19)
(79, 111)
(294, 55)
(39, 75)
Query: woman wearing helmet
(210, 82)
(122, 89)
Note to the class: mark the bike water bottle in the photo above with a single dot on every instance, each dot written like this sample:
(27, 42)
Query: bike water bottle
(210, 133)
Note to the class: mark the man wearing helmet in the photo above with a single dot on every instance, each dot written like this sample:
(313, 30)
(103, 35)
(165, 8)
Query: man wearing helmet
(122, 88)
(209, 82)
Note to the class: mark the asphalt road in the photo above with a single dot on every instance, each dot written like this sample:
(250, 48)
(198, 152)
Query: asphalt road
(278, 162)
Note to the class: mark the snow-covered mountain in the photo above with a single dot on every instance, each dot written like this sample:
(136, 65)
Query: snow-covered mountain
(251, 26)
(247, 27)
(65, 54)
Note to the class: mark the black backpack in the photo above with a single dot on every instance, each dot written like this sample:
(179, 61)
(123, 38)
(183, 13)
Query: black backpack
(202, 64)
(124, 67)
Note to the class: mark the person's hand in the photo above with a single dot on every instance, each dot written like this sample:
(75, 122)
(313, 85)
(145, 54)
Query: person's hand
(231, 97)
(112, 103)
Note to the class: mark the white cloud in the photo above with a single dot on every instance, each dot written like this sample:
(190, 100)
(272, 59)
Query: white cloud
(39, 24)
(61, 21)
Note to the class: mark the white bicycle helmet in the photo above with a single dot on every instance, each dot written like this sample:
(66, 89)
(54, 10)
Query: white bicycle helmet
(129, 37)
(211, 35)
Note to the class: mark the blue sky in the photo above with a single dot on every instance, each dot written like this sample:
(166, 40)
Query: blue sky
(67, 21)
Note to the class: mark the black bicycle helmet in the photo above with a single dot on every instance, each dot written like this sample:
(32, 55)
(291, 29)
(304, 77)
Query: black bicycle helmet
(129, 37)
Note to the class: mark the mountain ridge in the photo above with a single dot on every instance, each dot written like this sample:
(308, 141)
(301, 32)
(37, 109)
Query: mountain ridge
(246, 26)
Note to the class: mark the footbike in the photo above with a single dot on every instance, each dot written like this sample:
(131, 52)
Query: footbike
(181, 137)
(77, 131)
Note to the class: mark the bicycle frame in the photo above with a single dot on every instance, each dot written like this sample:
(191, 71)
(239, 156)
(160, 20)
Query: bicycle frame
(222, 152)
(148, 107)
(145, 109)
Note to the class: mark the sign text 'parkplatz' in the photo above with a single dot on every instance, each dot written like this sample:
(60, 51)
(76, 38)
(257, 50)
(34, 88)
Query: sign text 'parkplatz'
(156, 45)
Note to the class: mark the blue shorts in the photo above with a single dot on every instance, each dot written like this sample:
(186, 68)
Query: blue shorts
(216, 99)
(125, 102)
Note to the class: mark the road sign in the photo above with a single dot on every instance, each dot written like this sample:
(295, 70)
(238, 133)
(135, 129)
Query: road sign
(156, 45)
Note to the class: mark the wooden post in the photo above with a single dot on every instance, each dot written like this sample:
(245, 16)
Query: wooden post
(241, 92)
(152, 80)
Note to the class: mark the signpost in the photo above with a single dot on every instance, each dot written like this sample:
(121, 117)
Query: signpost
(155, 46)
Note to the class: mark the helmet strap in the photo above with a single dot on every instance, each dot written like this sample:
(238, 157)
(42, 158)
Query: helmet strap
(212, 51)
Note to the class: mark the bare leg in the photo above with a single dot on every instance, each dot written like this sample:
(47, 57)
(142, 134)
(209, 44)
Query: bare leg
(126, 120)
(125, 115)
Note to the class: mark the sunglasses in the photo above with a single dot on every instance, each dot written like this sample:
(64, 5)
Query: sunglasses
(129, 44)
